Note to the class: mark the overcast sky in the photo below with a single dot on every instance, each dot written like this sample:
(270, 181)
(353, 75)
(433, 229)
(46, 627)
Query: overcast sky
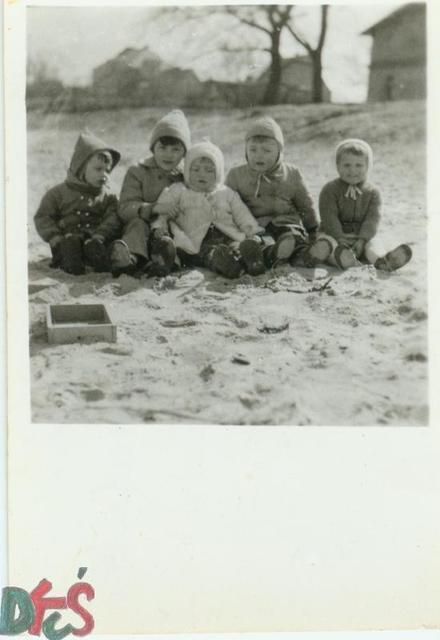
(74, 40)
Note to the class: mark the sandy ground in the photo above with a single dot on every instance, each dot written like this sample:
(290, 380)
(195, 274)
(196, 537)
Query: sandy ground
(293, 346)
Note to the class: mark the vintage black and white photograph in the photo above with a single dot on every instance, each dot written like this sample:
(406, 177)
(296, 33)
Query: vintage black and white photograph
(227, 214)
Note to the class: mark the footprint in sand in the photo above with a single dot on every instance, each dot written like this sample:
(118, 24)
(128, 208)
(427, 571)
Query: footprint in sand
(92, 395)
(117, 351)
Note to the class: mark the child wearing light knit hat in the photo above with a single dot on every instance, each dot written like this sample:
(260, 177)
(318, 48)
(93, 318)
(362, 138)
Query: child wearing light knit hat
(210, 225)
(275, 192)
(142, 186)
(350, 214)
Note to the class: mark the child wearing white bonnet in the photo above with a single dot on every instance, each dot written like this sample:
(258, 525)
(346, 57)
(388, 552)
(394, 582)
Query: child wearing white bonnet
(210, 225)
(350, 209)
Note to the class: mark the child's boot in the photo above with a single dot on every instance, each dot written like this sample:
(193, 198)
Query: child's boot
(224, 261)
(252, 256)
(121, 260)
(318, 252)
(163, 252)
(71, 255)
(394, 259)
(96, 255)
(281, 250)
(345, 258)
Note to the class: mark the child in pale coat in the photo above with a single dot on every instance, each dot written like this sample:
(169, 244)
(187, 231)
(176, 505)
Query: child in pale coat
(350, 214)
(142, 186)
(78, 218)
(208, 222)
(275, 193)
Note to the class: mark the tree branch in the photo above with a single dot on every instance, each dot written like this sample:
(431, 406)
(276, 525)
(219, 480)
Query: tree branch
(248, 22)
(324, 16)
(301, 41)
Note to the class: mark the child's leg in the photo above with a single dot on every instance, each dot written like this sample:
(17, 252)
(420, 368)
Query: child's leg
(162, 251)
(374, 249)
(70, 254)
(252, 255)
(217, 254)
(326, 249)
(135, 236)
(97, 255)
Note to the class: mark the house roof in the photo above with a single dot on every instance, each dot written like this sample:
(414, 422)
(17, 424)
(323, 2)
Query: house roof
(138, 57)
(295, 60)
(412, 7)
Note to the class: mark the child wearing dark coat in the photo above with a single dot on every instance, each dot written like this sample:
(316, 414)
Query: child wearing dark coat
(141, 188)
(275, 193)
(350, 209)
(78, 218)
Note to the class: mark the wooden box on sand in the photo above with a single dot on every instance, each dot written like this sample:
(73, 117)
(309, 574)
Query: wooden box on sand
(79, 322)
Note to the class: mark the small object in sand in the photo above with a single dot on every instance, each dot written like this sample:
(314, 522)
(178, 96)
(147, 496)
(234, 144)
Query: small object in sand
(248, 401)
(68, 323)
(178, 323)
(207, 372)
(92, 395)
(239, 359)
(273, 328)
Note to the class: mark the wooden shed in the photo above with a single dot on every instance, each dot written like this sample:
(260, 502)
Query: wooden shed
(398, 57)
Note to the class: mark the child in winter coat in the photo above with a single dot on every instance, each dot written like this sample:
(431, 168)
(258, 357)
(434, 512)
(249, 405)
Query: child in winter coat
(275, 193)
(78, 218)
(209, 223)
(350, 215)
(141, 188)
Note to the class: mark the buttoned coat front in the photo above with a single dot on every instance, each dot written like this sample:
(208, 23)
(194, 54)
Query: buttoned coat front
(77, 207)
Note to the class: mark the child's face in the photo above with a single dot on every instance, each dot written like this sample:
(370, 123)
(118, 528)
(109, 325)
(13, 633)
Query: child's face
(202, 175)
(352, 168)
(97, 170)
(262, 153)
(168, 156)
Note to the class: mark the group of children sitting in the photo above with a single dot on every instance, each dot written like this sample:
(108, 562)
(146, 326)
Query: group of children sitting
(166, 218)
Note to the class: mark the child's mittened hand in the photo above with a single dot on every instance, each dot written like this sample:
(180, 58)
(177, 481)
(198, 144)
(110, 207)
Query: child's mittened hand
(358, 247)
(249, 230)
(175, 212)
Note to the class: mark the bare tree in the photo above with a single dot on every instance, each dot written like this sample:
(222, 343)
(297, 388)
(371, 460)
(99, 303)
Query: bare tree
(272, 21)
(314, 53)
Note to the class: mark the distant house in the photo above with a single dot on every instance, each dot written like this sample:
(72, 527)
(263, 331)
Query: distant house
(296, 81)
(398, 58)
(172, 86)
(126, 71)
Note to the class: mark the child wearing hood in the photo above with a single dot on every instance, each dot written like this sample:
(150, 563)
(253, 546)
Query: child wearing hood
(210, 225)
(275, 193)
(350, 214)
(142, 186)
(78, 218)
